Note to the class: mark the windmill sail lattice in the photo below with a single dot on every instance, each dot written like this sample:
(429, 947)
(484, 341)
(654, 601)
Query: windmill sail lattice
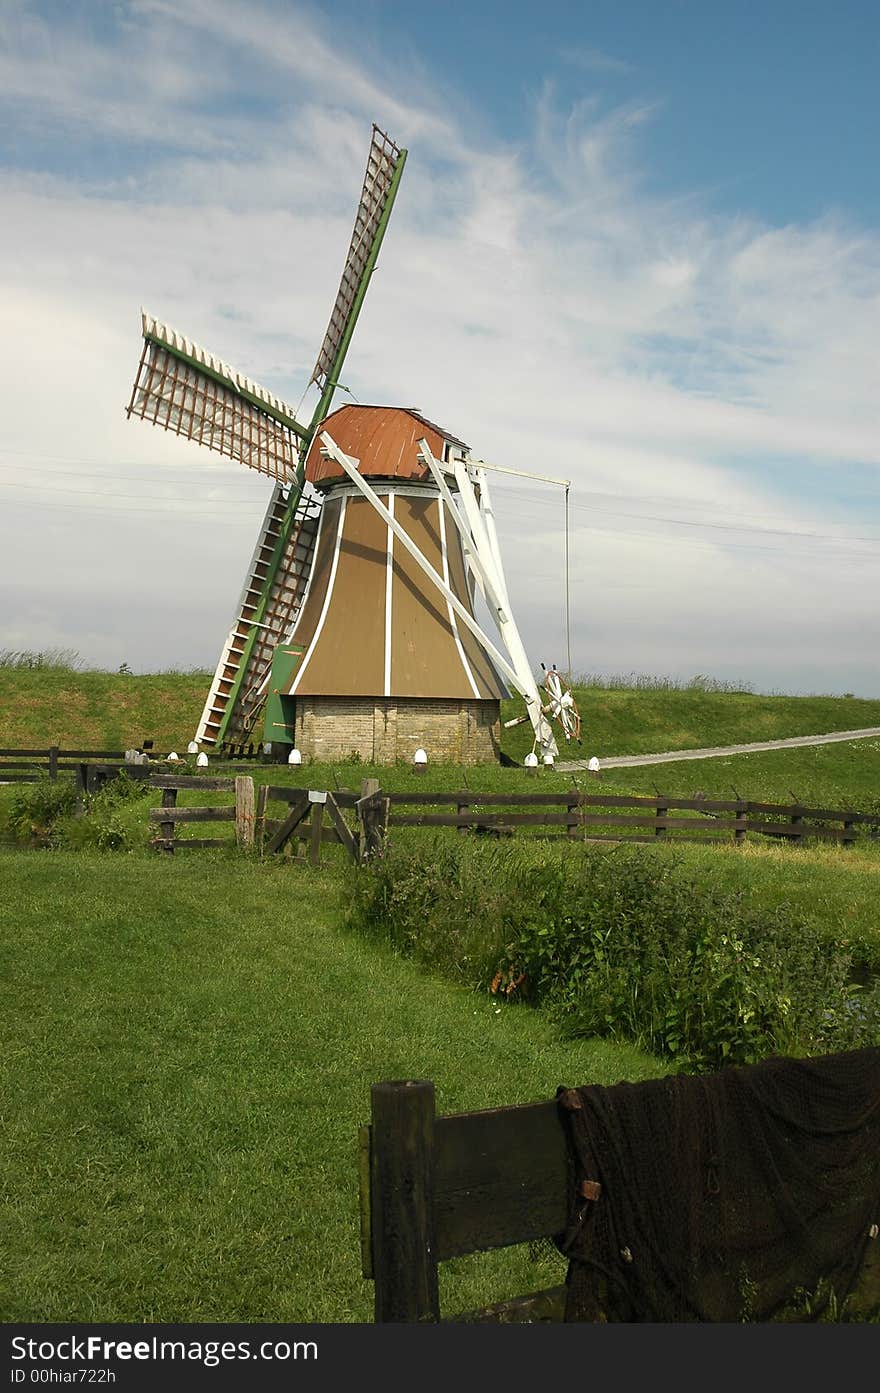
(384, 167)
(186, 389)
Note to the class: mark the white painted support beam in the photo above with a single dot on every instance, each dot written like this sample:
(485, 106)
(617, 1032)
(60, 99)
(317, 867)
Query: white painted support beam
(351, 469)
(484, 555)
(486, 582)
(491, 531)
(491, 558)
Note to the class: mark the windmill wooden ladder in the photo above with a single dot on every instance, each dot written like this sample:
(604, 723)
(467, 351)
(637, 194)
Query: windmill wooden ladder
(255, 635)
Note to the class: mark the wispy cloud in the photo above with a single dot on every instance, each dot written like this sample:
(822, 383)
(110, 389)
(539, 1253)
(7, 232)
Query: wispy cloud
(593, 60)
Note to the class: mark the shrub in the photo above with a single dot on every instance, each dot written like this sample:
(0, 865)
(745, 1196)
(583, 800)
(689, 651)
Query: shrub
(622, 943)
(36, 810)
(43, 814)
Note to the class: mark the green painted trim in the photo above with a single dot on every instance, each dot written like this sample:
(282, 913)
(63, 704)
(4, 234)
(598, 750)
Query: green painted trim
(271, 572)
(336, 367)
(279, 711)
(301, 432)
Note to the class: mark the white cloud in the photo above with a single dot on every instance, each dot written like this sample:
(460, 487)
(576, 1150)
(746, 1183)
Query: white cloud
(532, 297)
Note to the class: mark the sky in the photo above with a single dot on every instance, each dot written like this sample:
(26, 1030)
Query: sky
(636, 246)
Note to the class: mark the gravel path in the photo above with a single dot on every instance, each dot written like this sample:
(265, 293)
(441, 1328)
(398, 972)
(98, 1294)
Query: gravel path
(672, 756)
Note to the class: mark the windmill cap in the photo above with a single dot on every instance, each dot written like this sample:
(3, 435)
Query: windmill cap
(384, 439)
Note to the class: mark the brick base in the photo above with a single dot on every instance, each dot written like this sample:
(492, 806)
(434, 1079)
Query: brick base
(382, 730)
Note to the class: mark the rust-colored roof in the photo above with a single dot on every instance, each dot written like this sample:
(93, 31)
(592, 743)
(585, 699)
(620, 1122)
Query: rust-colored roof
(384, 438)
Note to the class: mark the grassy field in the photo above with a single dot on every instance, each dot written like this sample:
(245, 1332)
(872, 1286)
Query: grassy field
(188, 1043)
(188, 1048)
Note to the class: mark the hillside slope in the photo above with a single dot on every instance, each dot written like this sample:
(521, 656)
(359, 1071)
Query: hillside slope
(102, 710)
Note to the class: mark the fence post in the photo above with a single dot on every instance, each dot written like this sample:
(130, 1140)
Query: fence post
(463, 807)
(573, 806)
(260, 824)
(402, 1202)
(317, 822)
(798, 822)
(166, 829)
(371, 814)
(53, 763)
(244, 810)
(661, 809)
(848, 827)
(742, 810)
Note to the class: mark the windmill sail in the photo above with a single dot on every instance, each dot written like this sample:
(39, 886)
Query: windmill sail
(384, 168)
(197, 395)
(188, 390)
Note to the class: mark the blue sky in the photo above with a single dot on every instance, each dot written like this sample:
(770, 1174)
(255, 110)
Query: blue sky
(636, 245)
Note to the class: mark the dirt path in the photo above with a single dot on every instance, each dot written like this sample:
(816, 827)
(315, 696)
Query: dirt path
(672, 756)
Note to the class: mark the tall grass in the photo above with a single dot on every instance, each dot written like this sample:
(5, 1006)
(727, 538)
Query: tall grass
(45, 660)
(651, 682)
(631, 943)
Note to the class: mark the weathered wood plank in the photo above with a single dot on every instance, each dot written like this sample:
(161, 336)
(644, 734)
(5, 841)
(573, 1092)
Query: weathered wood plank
(316, 826)
(299, 811)
(798, 832)
(192, 814)
(184, 781)
(500, 1176)
(190, 842)
(341, 827)
(402, 1202)
(481, 819)
(166, 829)
(278, 793)
(244, 810)
(260, 827)
(796, 810)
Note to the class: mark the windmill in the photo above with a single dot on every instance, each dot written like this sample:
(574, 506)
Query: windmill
(356, 629)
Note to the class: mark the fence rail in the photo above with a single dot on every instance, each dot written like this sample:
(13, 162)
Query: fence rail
(29, 766)
(711, 819)
(169, 817)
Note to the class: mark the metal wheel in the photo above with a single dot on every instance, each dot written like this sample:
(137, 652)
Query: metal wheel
(561, 705)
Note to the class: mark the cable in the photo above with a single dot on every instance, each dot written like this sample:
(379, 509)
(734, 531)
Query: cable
(191, 502)
(567, 590)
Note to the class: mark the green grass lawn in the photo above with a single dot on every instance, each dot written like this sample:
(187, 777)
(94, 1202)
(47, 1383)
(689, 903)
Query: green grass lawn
(188, 1043)
(188, 1048)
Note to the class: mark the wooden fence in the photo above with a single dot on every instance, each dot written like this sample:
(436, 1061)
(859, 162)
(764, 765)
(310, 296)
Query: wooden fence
(170, 817)
(582, 816)
(434, 1188)
(313, 819)
(28, 766)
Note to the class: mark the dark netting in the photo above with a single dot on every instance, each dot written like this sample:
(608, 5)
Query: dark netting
(723, 1197)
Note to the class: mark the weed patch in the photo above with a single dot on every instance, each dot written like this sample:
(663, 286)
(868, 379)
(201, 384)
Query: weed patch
(623, 943)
